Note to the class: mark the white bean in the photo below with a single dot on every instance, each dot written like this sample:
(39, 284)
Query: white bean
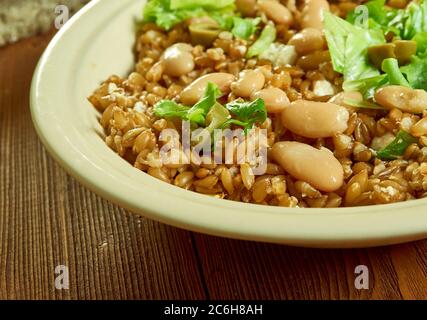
(312, 14)
(402, 98)
(307, 41)
(276, 12)
(420, 128)
(177, 60)
(275, 99)
(316, 166)
(249, 82)
(315, 119)
(192, 93)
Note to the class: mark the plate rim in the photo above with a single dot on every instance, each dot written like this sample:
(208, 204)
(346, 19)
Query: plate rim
(316, 233)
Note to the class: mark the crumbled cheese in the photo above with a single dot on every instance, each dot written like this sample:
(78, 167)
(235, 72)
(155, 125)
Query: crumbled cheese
(423, 168)
(114, 93)
(242, 49)
(112, 87)
(379, 168)
(379, 143)
(140, 107)
(323, 88)
(389, 190)
(280, 54)
(359, 148)
(225, 35)
(406, 124)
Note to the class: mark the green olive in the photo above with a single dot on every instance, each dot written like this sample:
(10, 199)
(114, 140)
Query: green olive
(246, 7)
(380, 52)
(398, 4)
(404, 50)
(204, 33)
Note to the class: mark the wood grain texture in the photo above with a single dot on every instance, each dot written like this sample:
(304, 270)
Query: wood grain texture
(48, 219)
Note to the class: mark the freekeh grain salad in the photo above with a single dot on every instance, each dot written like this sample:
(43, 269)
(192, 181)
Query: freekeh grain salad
(331, 95)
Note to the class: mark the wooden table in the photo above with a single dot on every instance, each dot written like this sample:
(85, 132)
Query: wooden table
(48, 219)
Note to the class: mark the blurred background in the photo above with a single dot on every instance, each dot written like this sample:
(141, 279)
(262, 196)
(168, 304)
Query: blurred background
(24, 18)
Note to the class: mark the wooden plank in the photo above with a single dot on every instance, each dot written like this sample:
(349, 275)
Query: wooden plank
(248, 270)
(47, 219)
(411, 269)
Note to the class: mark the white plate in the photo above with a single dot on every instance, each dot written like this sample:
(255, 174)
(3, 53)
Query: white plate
(96, 43)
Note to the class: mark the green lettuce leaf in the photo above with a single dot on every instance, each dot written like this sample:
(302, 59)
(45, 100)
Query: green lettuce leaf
(377, 11)
(216, 117)
(404, 23)
(198, 112)
(415, 19)
(357, 62)
(225, 21)
(157, 11)
(210, 114)
(363, 104)
(244, 28)
(336, 31)
(395, 77)
(266, 38)
(167, 13)
(246, 113)
(416, 72)
(170, 109)
(348, 46)
(397, 147)
(421, 40)
(366, 87)
(205, 4)
(379, 16)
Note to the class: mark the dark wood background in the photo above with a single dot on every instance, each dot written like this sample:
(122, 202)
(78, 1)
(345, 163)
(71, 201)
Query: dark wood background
(48, 219)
